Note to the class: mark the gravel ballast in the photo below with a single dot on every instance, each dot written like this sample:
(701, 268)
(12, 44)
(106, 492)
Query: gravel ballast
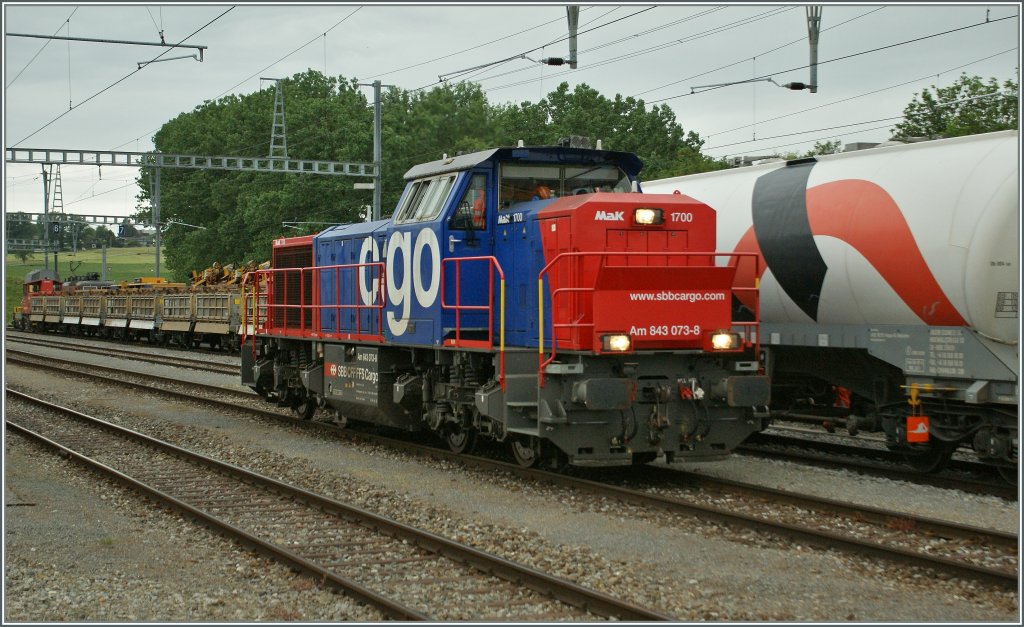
(687, 568)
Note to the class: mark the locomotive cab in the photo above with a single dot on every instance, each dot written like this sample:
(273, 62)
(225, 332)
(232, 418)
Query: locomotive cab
(39, 287)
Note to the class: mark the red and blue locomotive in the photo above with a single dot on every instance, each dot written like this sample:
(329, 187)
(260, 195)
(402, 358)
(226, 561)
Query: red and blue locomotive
(523, 295)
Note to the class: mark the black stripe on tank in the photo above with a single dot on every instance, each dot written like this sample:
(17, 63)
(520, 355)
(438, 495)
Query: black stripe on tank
(783, 231)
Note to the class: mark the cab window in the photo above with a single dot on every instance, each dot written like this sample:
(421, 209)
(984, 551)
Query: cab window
(425, 199)
(526, 182)
(471, 211)
(523, 183)
(591, 179)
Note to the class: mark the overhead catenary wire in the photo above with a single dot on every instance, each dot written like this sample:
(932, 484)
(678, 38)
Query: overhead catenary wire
(257, 73)
(121, 80)
(544, 47)
(805, 67)
(760, 54)
(855, 54)
(18, 75)
(517, 56)
(869, 93)
(816, 130)
(657, 48)
(830, 128)
(487, 43)
(69, 64)
(99, 194)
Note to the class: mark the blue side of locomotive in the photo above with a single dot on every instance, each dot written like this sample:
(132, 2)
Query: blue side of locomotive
(413, 251)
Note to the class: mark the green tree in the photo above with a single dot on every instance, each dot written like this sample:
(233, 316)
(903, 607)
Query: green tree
(328, 118)
(968, 106)
(820, 148)
(104, 236)
(825, 148)
(19, 226)
(241, 212)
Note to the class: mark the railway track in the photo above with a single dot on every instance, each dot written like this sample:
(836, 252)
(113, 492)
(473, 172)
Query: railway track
(891, 535)
(184, 362)
(889, 465)
(960, 474)
(813, 450)
(406, 573)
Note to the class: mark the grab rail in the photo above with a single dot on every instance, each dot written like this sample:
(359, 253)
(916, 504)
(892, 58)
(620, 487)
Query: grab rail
(458, 307)
(264, 313)
(377, 300)
(543, 363)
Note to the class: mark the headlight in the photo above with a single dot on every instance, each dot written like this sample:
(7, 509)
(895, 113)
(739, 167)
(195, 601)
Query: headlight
(646, 215)
(615, 343)
(724, 341)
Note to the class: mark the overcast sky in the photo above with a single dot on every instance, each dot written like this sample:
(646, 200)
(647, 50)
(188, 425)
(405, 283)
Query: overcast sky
(659, 53)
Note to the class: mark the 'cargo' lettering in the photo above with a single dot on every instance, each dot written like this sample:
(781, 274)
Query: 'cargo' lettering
(401, 287)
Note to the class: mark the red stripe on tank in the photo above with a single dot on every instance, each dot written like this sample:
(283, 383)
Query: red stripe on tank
(851, 211)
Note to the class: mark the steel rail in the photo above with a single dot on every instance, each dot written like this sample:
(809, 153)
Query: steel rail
(543, 583)
(888, 464)
(796, 439)
(350, 588)
(809, 535)
(816, 537)
(1000, 489)
(195, 364)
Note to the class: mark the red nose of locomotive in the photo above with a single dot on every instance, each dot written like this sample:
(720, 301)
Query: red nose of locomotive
(651, 280)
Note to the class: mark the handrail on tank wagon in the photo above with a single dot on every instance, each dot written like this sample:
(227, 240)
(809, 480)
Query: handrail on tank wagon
(283, 277)
(458, 307)
(543, 363)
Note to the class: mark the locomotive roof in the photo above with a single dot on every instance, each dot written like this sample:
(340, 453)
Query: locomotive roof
(626, 160)
(41, 274)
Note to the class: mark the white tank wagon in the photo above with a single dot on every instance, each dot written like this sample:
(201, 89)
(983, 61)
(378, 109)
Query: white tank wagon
(891, 272)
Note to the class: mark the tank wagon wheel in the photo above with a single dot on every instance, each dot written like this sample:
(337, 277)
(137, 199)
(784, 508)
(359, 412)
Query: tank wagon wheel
(932, 459)
(460, 438)
(526, 450)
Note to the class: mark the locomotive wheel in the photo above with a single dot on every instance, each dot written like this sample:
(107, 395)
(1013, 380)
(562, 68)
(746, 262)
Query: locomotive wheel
(933, 459)
(526, 451)
(461, 439)
(304, 408)
(262, 390)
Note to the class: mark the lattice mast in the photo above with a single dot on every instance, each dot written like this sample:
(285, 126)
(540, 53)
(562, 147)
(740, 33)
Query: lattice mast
(278, 141)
